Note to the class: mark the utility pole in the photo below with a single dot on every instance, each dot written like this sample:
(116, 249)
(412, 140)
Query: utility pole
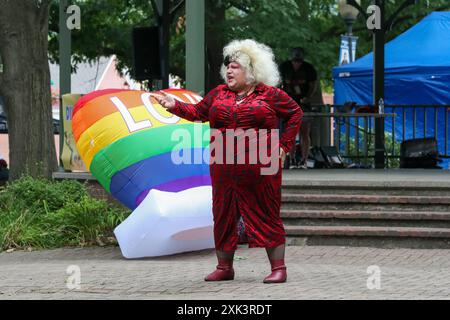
(65, 66)
(378, 85)
(195, 45)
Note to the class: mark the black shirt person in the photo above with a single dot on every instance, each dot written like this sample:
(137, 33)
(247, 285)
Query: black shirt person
(300, 82)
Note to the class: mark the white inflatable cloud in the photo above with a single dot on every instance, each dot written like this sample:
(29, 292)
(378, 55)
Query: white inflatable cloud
(167, 223)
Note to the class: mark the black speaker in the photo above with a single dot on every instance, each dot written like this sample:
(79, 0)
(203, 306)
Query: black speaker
(332, 157)
(419, 153)
(146, 53)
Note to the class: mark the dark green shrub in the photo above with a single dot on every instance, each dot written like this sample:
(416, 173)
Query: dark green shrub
(41, 213)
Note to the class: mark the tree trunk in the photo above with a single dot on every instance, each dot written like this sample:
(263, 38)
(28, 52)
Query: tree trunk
(214, 43)
(25, 86)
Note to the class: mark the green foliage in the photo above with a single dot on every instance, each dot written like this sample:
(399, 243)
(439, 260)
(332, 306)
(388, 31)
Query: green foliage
(39, 213)
(106, 27)
(357, 151)
(282, 24)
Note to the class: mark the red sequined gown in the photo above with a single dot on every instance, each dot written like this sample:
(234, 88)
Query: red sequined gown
(239, 189)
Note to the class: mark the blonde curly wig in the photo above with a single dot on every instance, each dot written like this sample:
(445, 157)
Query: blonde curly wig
(255, 58)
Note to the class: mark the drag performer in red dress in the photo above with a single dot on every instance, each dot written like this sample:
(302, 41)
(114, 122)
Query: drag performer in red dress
(248, 101)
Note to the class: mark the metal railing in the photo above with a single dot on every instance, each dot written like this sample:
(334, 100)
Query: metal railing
(353, 132)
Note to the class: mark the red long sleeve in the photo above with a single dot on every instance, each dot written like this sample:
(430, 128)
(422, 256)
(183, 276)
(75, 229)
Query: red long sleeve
(291, 113)
(195, 112)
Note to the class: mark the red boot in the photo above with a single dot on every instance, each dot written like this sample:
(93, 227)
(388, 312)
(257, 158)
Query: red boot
(278, 274)
(223, 272)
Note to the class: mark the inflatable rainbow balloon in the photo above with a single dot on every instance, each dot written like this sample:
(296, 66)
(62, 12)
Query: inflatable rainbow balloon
(127, 141)
(154, 163)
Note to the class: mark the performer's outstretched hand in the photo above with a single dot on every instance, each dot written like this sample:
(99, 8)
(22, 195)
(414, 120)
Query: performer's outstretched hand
(164, 99)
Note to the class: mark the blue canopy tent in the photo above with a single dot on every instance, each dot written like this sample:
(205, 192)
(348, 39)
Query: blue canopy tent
(417, 72)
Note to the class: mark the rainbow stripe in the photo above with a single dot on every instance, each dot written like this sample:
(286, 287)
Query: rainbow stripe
(130, 163)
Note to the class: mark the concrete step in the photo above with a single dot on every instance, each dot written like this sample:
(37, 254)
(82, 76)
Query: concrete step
(366, 190)
(366, 215)
(329, 198)
(368, 231)
(385, 178)
(365, 202)
(388, 182)
(381, 208)
(366, 218)
(387, 237)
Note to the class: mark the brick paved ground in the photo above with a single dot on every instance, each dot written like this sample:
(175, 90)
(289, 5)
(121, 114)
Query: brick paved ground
(314, 273)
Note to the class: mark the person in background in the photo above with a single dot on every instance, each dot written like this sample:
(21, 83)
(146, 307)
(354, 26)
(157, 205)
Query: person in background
(344, 58)
(4, 172)
(300, 82)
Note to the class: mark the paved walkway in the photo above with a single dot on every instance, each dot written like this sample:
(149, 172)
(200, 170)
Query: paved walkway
(314, 273)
